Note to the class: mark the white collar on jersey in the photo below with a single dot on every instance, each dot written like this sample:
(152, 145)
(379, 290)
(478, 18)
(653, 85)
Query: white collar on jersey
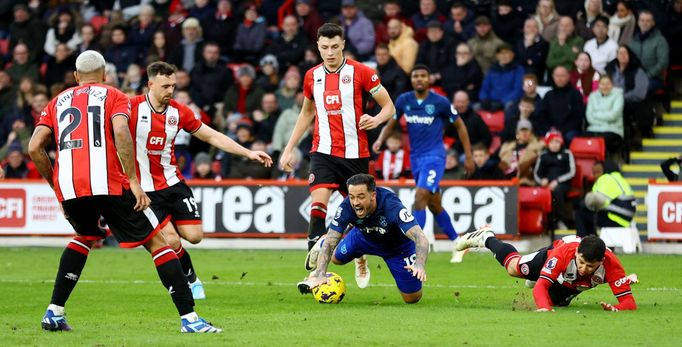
(343, 63)
(151, 107)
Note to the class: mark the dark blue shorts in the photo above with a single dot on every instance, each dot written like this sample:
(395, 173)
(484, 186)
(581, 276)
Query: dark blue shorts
(428, 171)
(354, 245)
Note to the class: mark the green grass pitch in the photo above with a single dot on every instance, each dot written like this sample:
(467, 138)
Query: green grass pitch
(252, 295)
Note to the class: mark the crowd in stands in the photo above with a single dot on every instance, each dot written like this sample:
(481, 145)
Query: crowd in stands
(556, 69)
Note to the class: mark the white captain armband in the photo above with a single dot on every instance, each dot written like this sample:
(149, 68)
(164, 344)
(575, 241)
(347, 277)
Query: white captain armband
(375, 89)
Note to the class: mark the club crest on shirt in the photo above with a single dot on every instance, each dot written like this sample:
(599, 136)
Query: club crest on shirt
(524, 269)
(172, 120)
(382, 221)
(430, 109)
(345, 79)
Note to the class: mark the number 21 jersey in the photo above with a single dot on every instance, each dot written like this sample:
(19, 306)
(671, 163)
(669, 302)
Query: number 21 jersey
(81, 121)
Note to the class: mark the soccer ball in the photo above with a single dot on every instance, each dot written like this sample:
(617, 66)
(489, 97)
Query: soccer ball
(332, 292)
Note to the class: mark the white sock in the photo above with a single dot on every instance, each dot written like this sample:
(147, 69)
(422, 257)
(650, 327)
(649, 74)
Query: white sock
(58, 310)
(191, 317)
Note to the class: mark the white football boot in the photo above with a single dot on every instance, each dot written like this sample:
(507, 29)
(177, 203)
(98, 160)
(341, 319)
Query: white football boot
(362, 272)
(475, 238)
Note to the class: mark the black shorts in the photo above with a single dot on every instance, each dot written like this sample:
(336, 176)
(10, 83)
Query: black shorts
(530, 266)
(131, 228)
(332, 172)
(178, 202)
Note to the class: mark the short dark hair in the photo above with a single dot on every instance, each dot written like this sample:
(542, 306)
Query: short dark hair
(592, 248)
(527, 99)
(420, 67)
(330, 30)
(160, 68)
(367, 180)
(381, 46)
(601, 18)
(479, 147)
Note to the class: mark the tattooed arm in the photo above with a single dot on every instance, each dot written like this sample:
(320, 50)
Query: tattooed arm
(318, 276)
(422, 245)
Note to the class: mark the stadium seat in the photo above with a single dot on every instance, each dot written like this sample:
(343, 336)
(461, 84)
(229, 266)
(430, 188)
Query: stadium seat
(587, 151)
(4, 46)
(98, 22)
(494, 120)
(495, 144)
(535, 204)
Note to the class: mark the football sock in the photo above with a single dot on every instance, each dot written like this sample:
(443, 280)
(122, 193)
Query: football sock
(420, 216)
(170, 271)
(186, 262)
(443, 220)
(316, 228)
(70, 267)
(190, 317)
(503, 251)
(57, 310)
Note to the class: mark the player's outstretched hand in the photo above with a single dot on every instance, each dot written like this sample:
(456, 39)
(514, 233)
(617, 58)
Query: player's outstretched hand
(608, 307)
(142, 200)
(376, 146)
(315, 280)
(368, 122)
(285, 160)
(260, 157)
(417, 271)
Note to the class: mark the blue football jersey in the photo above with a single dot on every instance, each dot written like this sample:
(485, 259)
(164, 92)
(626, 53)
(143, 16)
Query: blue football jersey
(384, 228)
(426, 120)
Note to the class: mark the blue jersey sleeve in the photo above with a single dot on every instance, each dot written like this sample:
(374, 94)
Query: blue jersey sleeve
(399, 105)
(448, 111)
(342, 217)
(399, 215)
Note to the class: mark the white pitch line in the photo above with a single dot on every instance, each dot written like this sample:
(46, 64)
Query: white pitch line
(293, 285)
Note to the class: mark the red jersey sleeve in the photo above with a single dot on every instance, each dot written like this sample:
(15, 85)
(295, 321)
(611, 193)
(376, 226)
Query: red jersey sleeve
(119, 104)
(47, 117)
(368, 78)
(308, 84)
(556, 264)
(188, 120)
(619, 282)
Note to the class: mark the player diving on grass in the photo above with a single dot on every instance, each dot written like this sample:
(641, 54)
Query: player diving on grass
(335, 94)
(562, 271)
(155, 122)
(379, 225)
(427, 114)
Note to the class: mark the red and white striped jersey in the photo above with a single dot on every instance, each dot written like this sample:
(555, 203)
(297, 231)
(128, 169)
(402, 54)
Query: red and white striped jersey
(154, 137)
(87, 163)
(339, 102)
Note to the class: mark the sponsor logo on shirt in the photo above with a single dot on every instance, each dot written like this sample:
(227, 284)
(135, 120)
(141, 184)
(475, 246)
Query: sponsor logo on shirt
(419, 120)
(405, 215)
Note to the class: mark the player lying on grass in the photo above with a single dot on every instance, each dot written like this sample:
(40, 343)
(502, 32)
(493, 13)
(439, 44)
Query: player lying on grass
(380, 225)
(562, 271)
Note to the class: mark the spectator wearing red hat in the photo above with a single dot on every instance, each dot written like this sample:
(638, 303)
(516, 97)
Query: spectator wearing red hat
(555, 169)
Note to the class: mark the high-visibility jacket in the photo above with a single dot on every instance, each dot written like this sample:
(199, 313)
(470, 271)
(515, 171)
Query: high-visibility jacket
(621, 203)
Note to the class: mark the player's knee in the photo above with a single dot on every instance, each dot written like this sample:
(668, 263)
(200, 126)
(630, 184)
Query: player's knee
(173, 239)
(336, 261)
(412, 298)
(513, 268)
(192, 233)
(194, 238)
